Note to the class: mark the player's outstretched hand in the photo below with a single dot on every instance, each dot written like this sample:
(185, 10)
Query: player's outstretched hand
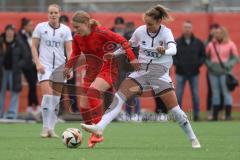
(108, 56)
(40, 68)
(135, 64)
(161, 50)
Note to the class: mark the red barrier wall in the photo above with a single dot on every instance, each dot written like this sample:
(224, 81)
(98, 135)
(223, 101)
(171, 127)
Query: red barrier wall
(201, 22)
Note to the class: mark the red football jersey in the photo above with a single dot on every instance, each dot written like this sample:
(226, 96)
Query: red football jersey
(100, 41)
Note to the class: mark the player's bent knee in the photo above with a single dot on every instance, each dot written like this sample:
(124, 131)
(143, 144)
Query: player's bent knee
(169, 99)
(130, 87)
(45, 88)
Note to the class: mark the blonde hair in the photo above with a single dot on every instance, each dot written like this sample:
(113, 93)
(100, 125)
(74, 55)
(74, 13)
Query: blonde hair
(225, 33)
(84, 17)
(55, 5)
(159, 12)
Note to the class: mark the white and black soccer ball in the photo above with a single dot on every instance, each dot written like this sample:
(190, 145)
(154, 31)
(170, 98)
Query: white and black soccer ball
(72, 137)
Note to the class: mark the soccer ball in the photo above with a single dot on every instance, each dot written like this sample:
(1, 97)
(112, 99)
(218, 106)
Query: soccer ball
(72, 137)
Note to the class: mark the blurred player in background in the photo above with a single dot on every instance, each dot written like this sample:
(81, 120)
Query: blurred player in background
(95, 41)
(157, 46)
(49, 41)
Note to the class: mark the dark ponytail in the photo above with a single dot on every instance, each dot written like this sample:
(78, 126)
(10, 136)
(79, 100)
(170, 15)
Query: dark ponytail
(159, 12)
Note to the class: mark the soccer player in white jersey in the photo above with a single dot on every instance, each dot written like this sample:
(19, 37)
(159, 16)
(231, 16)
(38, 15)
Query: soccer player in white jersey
(51, 42)
(156, 48)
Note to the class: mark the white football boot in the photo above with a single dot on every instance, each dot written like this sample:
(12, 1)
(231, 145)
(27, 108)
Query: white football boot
(44, 133)
(95, 129)
(52, 134)
(195, 143)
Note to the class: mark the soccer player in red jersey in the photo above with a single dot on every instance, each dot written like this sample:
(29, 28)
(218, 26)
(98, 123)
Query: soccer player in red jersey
(95, 41)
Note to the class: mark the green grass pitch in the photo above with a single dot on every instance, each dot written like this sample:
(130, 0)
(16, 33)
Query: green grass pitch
(125, 141)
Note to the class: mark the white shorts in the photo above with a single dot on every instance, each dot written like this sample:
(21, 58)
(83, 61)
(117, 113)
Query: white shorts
(54, 75)
(153, 76)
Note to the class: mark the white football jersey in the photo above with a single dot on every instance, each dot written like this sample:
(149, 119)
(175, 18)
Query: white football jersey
(148, 42)
(52, 44)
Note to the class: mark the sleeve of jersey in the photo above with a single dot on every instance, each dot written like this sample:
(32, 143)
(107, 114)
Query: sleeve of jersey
(171, 50)
(36, 32)
(111, 36)
(133, 42)
(134, 39)
(171, 44)
(76, 52)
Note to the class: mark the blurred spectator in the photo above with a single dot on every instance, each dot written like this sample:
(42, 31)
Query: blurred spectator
(212, 30)
(64, 19)
(13, 60)
(129, 29)
(125, 68)
(29, 70)
(133, 106)
(119, 26)
(227, 50)
(190, 56)
(72, 97)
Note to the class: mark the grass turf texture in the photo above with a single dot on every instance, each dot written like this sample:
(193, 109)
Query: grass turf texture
(125, 141)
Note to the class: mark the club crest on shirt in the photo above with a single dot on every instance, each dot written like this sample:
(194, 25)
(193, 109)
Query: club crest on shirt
(143, 42)
(161, 43)
(45, 32)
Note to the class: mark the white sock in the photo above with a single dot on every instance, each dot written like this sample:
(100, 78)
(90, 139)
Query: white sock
(113, 110)
(46, 101)
(181, 118)
(54, 109)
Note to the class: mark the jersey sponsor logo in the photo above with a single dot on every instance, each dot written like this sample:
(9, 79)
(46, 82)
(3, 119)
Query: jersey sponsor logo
(52, 43)
(151, 53)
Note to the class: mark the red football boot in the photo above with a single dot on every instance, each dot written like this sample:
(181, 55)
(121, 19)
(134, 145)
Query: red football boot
(94, 139)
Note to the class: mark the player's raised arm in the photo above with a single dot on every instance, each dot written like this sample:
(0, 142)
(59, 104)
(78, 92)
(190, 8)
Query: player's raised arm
(114, 37)
(171, 48)
(133, 42)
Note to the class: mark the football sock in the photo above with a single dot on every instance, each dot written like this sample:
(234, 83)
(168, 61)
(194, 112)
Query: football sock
(86, 115)
(45, 110)
(180, 117)
(113, 110)
(54, 109)
(95, 103)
